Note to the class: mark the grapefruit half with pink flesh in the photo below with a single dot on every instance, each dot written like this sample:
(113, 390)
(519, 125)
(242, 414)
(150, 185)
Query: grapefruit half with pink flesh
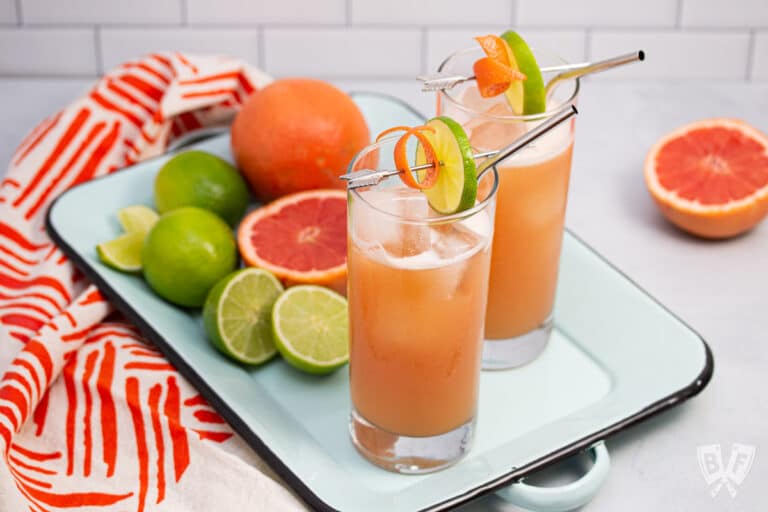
(710, 178)
(301, 238)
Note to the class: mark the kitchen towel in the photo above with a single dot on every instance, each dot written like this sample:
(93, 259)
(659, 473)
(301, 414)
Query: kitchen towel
(92, 417)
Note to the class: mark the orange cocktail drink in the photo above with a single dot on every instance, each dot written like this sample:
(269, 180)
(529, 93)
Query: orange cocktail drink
(526, 248)
(417, 293)
(530, 212)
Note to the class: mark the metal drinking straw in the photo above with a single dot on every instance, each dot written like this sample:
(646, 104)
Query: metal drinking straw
(444, 81)
(370, 177)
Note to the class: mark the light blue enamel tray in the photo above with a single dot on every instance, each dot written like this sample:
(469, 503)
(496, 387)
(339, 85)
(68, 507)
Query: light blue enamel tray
(616, 358)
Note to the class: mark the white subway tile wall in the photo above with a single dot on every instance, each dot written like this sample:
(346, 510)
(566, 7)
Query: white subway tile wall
(431, 12)
(238, 12)
(701, 55)
(54, 51)
(596, 13)
(340, 52)
(394, 39)
(121, 44)
(724, 13)
(8, 12)
(106, 12)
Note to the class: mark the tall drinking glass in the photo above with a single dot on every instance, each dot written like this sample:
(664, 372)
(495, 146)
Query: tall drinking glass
(417, 289)
(533, 188)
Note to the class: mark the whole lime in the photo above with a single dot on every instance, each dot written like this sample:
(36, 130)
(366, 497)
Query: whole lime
(197, 178)
(186, 252)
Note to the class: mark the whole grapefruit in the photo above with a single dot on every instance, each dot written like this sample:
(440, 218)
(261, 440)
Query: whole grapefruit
(297, 134)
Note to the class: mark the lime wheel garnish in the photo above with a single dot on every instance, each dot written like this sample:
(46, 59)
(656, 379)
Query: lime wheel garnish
(525, 97)
(456, 186)
(449, 179)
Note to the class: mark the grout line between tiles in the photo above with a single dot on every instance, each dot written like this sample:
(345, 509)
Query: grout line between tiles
(679, 14)
(261, 49)
(348, 22)
(588, 44)
(348, 12)
(288, 25)
(635, 28)
(97, 50)
(410, 78)
(184, 13)
(48, 76)
(108, 25)
(424, 52)
(405, 79)
(751, 50)
(401, 27)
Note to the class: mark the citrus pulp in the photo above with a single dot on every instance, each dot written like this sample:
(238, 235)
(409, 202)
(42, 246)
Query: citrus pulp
(301, 238)
(311, 328)
(238, 315)
(710, 177)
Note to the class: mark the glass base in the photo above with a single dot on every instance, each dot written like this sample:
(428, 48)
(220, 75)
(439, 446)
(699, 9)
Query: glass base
(517, 351)
(409, 455)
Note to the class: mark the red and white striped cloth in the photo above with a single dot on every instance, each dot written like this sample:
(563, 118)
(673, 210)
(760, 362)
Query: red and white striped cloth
(92, 417)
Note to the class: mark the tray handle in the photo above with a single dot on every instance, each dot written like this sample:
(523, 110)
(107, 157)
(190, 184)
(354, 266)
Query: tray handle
(566, 497)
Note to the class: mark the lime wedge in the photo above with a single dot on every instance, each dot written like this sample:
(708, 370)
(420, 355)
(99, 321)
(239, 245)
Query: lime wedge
(123, 253)
(524, 96)
(138, 218)
(311, 328)
(456, 187)
(238, 315)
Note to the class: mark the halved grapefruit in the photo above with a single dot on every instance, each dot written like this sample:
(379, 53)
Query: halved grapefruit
(301, 238)
(710, 177)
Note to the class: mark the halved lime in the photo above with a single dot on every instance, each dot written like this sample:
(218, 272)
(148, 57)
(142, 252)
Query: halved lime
(456, 187)
(311, 328)
(238, 315)
(138, 218)
(124, 252)
(527, 96)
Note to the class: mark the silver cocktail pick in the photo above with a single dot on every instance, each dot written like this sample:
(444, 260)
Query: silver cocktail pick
(371, 177)
(443, 81)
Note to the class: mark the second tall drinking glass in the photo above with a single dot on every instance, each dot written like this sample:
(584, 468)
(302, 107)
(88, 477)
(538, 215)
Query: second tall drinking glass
(533, 188)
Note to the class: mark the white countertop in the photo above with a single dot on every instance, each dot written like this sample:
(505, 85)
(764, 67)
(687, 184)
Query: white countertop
(719, 288)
